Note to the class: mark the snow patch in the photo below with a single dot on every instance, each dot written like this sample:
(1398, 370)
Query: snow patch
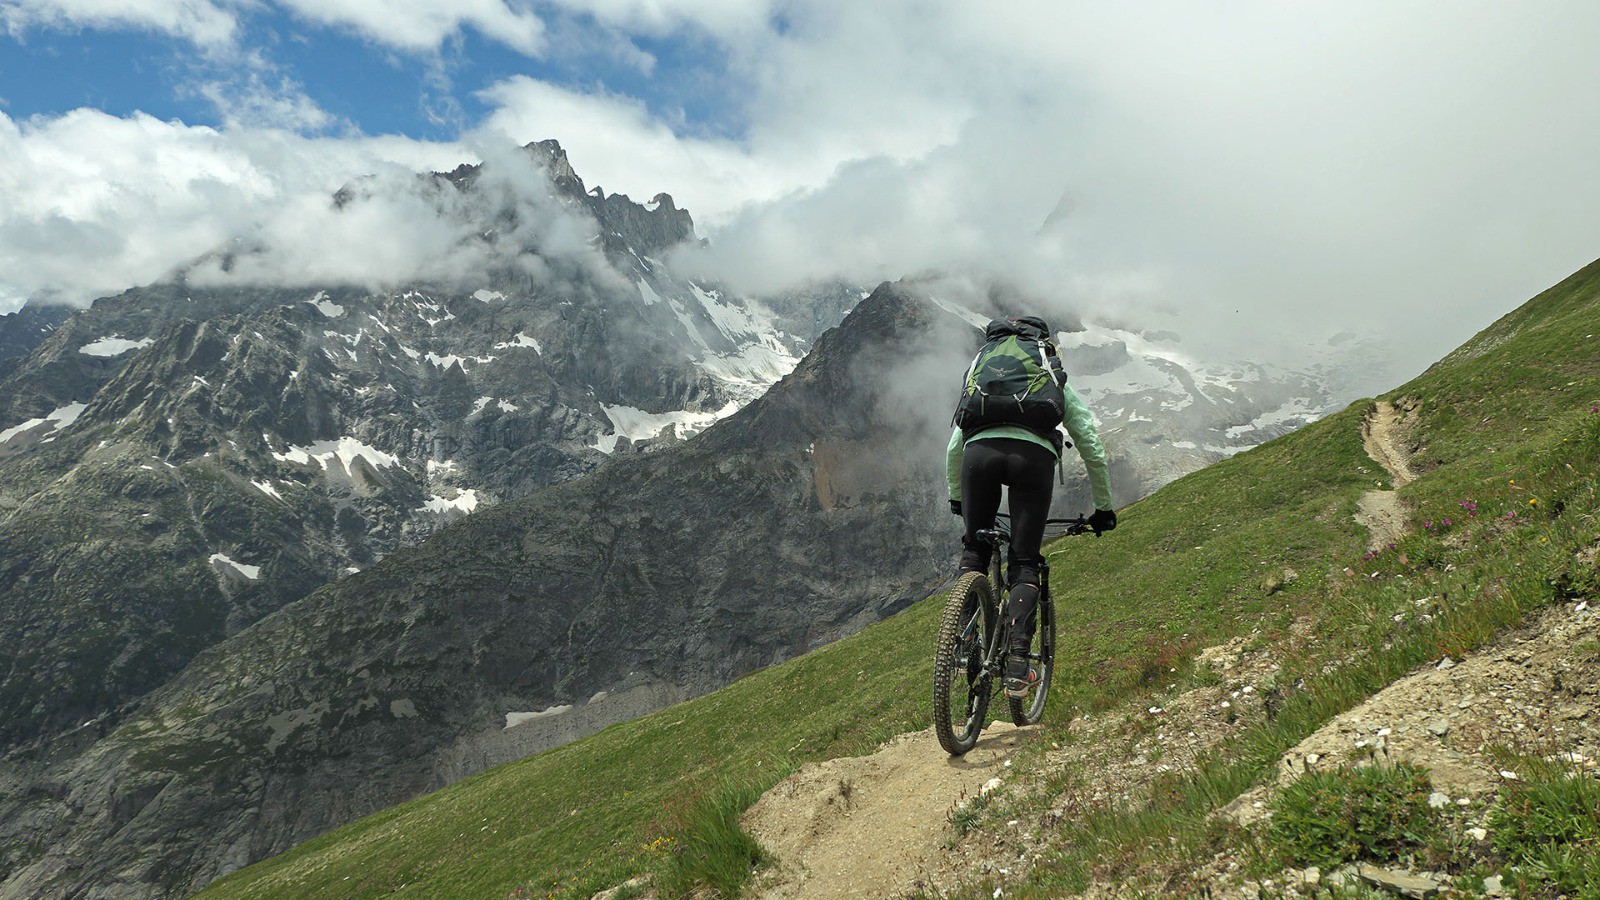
(521, 340)
(57, 419)
(483, 402)
(115, 345)
(326, 307)
(253, 573)
(961, 312)
(648, 293)
(754, 368)
(637, 425)
(445, 362)
(266, 487)
(513, 719)
(1293, 414)
(346, 450)
(488, 296)
(465, 502)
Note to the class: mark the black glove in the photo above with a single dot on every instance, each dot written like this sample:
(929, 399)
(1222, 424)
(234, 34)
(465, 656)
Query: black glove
(1103, 520)
(955, 507)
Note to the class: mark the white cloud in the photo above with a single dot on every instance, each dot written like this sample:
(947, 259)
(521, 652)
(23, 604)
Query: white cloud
(417, 26)
(91, 204)
(1257, 170)
(399, 229)
(635, 155)
(194, 20)
(723, 18)
(423, 25)
(254, 101)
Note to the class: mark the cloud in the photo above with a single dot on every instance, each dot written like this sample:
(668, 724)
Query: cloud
(636, 154)
(1256, 176)
(91, 204)
(725, 19)
(421, 26)
(415, 26)
(394, 229)
(194, 20)
(251, 99)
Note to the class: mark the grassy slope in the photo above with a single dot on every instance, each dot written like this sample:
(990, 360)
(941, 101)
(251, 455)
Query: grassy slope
(1199, 561)
(1507, 430)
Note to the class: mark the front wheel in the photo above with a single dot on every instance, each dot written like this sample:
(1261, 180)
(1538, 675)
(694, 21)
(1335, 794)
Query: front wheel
(1029, 708)
(960, 688)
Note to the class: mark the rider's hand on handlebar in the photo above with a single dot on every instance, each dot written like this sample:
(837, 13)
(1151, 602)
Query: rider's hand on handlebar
(955, 507)
(1102, 520)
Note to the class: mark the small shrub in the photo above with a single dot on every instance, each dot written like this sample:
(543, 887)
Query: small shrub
(1549, 824)
(1374, 812)
(965, 816)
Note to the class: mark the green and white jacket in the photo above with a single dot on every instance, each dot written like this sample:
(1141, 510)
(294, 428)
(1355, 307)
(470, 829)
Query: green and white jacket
(1080, 427)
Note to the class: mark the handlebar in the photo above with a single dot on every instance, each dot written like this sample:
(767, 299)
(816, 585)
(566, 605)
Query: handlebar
(1002, 529)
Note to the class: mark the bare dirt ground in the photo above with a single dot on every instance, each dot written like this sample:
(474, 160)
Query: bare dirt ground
(1380, 512)
(868, 825)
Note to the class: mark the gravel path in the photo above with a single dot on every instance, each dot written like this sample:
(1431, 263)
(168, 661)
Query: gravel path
(868, 826)
(1381, 512)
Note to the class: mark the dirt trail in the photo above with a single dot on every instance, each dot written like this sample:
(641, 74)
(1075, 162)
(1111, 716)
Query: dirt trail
(869, 826)
(1381, 511)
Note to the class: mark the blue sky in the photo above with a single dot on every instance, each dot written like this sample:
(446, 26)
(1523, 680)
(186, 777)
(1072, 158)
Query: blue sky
(1403, 165)
(361, 83)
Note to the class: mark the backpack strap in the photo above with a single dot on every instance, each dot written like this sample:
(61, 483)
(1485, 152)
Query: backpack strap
(966, 380)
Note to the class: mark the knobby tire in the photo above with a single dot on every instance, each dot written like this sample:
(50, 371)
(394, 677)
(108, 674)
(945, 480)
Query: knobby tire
(960, 696)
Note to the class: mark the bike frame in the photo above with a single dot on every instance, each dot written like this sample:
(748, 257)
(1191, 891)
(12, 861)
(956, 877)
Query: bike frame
(986, 684)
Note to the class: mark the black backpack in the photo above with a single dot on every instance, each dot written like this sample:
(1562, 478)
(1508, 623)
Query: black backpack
(1015, 379)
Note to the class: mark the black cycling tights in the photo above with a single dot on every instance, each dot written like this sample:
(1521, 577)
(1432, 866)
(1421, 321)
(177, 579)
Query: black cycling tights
(1026, 468)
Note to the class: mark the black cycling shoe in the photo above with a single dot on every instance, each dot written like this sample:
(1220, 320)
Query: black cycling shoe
(1021, 676)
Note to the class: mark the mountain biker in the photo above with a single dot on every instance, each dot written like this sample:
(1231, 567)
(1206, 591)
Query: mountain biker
(981, 459)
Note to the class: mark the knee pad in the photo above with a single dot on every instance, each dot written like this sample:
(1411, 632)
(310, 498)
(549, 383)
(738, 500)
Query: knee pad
(1024, 570)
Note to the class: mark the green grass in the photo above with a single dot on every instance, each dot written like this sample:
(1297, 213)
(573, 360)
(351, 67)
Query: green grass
(713, 851)
(1377, 812)
(1504, 421)
(1547, 825)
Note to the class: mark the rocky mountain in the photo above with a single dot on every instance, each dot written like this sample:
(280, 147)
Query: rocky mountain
(25, 329)
(180, 460)
(797, 519)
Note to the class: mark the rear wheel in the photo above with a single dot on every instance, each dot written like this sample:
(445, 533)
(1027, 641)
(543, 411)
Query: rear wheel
(960, 689)
(1029, 708)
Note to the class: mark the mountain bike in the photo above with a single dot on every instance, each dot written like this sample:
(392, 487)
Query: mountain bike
(974, 640)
